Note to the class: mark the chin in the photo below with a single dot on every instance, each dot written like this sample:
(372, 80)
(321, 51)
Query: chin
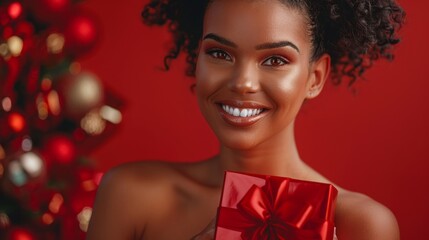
(238, 141)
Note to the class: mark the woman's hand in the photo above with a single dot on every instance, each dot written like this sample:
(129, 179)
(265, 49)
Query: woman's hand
(207, 233)
(335, 234)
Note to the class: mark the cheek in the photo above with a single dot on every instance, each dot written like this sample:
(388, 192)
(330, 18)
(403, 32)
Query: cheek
(208, 80)
(287, 88)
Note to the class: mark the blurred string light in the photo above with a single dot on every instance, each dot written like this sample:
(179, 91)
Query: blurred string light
(16, 174)
(27, 144)
(4, 50)
(83, 217)
(54, 207)
(42, 107)
(4, 220)
(14, 10)
(32, 164)
(6, 104)
(111, 114)
(94, 122)
(54, 102)
(15, 44)
(27, 165)
(48, 103)
(56, 203)
(16, 122)
(89, 185)
(47, 218)
(55, 43)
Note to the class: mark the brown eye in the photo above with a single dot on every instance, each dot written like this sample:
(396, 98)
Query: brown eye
(275, 61)
(219, 54)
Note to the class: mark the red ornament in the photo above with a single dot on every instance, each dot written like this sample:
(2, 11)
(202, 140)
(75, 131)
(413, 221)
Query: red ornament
(20, 234)
(60, 149)
(81, 33)
(15, 10)
(50, 10)
(80, 94)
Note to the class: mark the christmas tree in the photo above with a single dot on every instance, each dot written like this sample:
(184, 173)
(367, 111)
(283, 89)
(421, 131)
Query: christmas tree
(52, 113)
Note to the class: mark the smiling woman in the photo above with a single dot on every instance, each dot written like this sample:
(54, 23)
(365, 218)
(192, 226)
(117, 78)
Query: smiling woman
(255, 63)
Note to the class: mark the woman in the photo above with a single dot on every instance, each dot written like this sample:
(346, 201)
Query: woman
(255, 63)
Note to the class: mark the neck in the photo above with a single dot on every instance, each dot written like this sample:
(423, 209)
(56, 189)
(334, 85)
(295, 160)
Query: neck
(276, 156)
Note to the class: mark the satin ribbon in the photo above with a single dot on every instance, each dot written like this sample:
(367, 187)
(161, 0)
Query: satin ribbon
(269, 213)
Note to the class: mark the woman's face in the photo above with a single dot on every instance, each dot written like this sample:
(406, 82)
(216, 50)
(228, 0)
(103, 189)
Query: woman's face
(253, 70)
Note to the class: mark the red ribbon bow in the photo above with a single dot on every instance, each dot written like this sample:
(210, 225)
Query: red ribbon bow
(270, 213)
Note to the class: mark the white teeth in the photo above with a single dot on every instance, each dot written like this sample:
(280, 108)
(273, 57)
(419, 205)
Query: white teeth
(237, 112)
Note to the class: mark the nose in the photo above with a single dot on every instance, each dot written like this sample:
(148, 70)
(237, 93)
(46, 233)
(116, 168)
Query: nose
(244, 79)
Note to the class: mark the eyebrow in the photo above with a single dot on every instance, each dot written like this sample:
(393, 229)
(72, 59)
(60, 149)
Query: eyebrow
(277, 45)
(269, 45)
(220, 39)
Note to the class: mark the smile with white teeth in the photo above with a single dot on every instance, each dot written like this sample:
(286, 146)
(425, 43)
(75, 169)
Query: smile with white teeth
(241, 112)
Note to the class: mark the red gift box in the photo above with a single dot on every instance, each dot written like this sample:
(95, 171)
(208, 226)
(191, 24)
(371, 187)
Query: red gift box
(255, 207)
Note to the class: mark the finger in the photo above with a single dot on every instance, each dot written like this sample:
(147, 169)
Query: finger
(335, 234)
(209, 235)
(208, 232)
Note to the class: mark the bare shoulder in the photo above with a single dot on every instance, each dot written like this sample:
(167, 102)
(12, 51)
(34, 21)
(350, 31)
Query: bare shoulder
(128, 196)
(358, 217)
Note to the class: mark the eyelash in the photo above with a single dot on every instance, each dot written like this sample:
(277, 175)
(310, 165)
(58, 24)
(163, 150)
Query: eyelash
(214, 53)
(283, 61)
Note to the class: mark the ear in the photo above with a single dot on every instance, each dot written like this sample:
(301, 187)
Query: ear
(319, 72)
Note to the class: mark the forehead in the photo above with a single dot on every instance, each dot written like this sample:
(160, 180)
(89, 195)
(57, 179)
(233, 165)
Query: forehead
(249, 22)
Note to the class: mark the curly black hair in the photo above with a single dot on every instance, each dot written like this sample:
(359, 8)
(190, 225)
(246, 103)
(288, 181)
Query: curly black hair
(354, 33)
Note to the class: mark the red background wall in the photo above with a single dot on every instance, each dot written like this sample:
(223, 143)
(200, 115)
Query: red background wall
(375, 141)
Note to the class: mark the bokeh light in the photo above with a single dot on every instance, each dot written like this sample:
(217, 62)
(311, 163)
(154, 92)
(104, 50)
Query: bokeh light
(92, 123)
(27, 144)
(55, 43)
(16, 122)
(15, 10)
(6, 104)
(16, 45)
(111, 114)
(4, 50)
(83, 217)
(32, 164)
(56, 203)
(4, 220)
(47, 218)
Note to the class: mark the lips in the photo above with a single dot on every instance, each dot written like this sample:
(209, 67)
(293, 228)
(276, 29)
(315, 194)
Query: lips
(241, 114)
